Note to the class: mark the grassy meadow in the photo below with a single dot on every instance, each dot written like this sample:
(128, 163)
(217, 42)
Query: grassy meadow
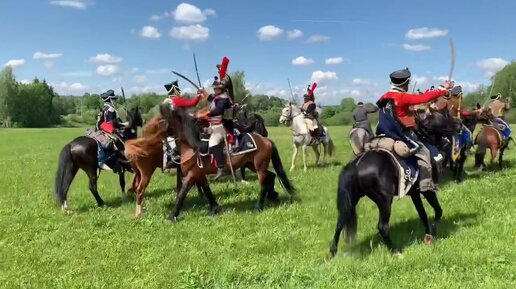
(282, 247)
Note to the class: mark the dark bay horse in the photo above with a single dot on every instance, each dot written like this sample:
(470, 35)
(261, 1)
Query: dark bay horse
(489, 137)
(253, 123)
(195, 167)
(376, 176)
(82, 153)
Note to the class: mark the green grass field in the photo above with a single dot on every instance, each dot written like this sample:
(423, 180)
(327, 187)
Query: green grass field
(282, 247)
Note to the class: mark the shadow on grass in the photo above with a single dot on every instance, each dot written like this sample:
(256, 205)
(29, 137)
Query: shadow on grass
(326, 164)
(412, 231)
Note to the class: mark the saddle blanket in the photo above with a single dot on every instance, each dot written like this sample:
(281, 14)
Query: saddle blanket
(460, 141)
(503, 127)
(408, 171)
(104, 146)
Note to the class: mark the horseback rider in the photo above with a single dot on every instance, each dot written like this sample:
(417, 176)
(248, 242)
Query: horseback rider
(220, 118)
(177, 101)
(109, 122)
(309, 110)
(360, 116)
(499, 106)
(398, 100)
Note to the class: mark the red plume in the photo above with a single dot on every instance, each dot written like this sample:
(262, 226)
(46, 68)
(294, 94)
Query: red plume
(223, 67)
(313, 88)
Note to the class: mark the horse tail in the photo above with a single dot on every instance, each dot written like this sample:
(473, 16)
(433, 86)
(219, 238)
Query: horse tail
(64, 174)
(347, 213)
(278, 167)
(482, 143)
(134, 149)
(331, 147)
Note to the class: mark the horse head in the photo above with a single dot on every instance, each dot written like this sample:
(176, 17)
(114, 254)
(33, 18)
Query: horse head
(440, 122)
(134, 118)
(287, 114)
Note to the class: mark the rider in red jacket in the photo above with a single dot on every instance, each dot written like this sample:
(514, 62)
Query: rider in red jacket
(176, 100)
(402, 100)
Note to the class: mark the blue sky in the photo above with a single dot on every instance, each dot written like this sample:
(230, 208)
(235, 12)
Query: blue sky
(349, 47)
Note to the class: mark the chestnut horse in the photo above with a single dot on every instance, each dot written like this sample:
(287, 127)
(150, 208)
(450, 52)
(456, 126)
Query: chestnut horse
(195, 167)
(489, 137)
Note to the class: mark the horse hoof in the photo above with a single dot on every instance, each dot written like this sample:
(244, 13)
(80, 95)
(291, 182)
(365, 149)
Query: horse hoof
(428, 240)
(174, 219)
(291, 169)
(137, 216)
(215, 211)
(330, 255)
(397, 255)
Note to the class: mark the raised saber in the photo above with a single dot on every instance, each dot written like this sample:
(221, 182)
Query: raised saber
(452, 66)
(123, 98)
(250, 92)
(186, 78)
(196, 70)
(290, 87)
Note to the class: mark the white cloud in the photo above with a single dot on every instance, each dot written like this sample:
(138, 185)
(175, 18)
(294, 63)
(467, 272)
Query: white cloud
(107, 70)
(425, 32)
(46, 56)
(492, 65)
(361, 81)
(159, 17)
(319, 75)
(468, 87)
(317, 38)
(295, 33)
(24, 81)
(441, 78)
(300, 60)
(15, 63)
(195, 32)
(334, 60)
(65, 88)
(48, 59)
(269, 32)
(77, 86)
(150, 32)
(276, 92)
(416, 47)
(140, 79)
(419, 79)
(188, 13)
(106, 58)
(75, 4)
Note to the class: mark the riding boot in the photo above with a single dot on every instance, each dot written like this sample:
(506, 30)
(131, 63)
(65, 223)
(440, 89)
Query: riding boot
(218, 154)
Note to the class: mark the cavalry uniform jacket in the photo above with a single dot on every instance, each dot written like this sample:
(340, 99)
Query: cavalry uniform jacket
(109, 120)
(310, 110)
(180, 102)
(361, 120)
(403, 101)
(499, 107)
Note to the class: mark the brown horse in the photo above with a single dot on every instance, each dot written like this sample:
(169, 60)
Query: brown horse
(195, 167)
(489, 137)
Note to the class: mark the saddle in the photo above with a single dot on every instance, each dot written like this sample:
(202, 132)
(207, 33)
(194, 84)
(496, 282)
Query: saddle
(106, 145)
(408, 170)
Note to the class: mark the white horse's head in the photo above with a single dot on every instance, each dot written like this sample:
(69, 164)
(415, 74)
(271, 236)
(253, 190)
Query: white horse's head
(287, 114)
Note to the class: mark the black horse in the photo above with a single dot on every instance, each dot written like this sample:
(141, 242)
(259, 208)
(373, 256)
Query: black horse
(376, 176)
(82, 153)
(244, 123)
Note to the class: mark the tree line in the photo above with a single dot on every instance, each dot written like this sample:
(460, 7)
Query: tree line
(36, 104)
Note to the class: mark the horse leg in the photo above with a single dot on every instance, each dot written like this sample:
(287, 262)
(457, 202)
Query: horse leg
(317, 154)
(431, 197)
(185, 188)
(294, 156)
(303, 150)
(135, 182)
(205, 187)
(500, 157)
(384, 207)
(92, 175)
(242, 174)
(121, 179)
(145, 176)
(494, 152)
(272, 195)
(65, 183)
(262, 178)
(416, 199)
(179, 179)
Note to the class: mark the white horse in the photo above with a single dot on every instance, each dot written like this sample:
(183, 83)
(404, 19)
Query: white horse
(358, 137)
(294, 118)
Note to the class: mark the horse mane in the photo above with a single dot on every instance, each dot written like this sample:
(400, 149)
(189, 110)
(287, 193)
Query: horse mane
(152, 126)
(187, 127)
